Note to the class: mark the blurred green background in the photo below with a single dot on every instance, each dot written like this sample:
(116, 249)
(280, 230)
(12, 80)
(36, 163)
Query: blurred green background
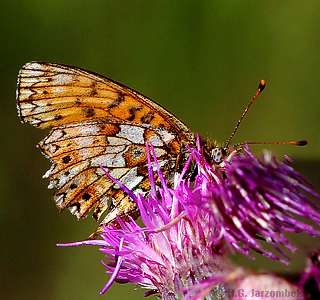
(202, 60)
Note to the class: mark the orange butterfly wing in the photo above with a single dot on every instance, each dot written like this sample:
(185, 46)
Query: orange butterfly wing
(97, 122)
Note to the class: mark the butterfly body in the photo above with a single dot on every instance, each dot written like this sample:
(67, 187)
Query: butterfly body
(98, 122)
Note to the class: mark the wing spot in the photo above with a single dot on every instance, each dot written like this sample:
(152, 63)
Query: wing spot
(58, 117)
(120, 99)
(77, 204)
(66, 159)
(97, 211)
(86, 196)
(93, 92)
(137, 153)
(132, 112)
(73, 186)
(147, 118)
(89, 111)
(45, 92)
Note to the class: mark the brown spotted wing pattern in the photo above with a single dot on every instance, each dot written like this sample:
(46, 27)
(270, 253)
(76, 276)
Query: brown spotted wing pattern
(97, 122)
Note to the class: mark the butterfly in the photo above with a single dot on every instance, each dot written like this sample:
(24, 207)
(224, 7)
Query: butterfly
(96, 122)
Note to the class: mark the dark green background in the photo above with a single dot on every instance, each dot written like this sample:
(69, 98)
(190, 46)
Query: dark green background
(202, 60)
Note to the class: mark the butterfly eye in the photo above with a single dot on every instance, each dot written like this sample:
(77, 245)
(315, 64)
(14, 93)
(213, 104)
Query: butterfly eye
(217, 155)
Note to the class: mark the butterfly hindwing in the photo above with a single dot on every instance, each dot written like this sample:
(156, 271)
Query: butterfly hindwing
(78, 151)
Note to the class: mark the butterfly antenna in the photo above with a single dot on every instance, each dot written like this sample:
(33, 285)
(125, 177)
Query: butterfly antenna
(261, 87)
(296, 143)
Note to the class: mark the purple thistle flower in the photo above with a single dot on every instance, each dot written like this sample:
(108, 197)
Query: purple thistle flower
(250, 198)
(180, 253)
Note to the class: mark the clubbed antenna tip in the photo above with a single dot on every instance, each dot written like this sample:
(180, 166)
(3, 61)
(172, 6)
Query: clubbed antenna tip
(261, 87)
(302, 143)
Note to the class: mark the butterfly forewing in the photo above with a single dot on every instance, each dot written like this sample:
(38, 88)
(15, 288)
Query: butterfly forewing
(96, 123)
(52, 94)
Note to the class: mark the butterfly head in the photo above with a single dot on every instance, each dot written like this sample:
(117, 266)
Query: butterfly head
(218, 154)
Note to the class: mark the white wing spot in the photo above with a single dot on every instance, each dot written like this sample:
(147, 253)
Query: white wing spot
(62, 79)
(131, 179)
(156, 141)
(109, 160)
(118, 173)
(166, 136)
(115, 141)
(132, 133)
